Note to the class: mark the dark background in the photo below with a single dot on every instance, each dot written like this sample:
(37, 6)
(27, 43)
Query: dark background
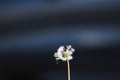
(32, 30)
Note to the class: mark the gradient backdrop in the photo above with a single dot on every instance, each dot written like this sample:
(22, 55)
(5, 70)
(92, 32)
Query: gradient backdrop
(32, 30)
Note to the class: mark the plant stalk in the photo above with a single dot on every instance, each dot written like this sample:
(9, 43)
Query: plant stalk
(68, 66)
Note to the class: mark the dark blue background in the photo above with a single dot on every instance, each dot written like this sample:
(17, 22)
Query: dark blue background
(32, 30)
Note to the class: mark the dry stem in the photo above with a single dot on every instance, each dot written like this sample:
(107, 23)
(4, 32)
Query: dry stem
(68, 66)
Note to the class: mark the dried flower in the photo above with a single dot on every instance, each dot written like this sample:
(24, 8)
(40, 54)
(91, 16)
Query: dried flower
(64, 53)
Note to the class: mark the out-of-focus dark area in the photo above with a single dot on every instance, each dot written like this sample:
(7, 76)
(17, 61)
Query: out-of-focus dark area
(32, 30)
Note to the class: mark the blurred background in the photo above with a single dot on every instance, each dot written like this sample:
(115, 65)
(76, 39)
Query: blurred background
(32, 30)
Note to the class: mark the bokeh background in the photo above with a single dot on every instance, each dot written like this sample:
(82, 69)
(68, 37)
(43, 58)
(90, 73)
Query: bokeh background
(32, 30)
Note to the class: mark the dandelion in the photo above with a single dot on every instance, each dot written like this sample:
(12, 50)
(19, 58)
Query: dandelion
(65, 54)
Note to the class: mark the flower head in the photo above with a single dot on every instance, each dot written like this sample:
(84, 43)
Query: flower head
(64, 53)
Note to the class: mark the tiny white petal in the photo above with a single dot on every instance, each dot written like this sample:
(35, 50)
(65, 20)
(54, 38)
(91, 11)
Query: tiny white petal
(61, 48)
(57, 58)
(73, 50)
(69, 46)
(64, 59)
(55, 55)
(70, 58)
(59, 54)
(70, 52)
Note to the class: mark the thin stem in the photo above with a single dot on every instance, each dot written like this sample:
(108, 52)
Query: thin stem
(68, 65)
